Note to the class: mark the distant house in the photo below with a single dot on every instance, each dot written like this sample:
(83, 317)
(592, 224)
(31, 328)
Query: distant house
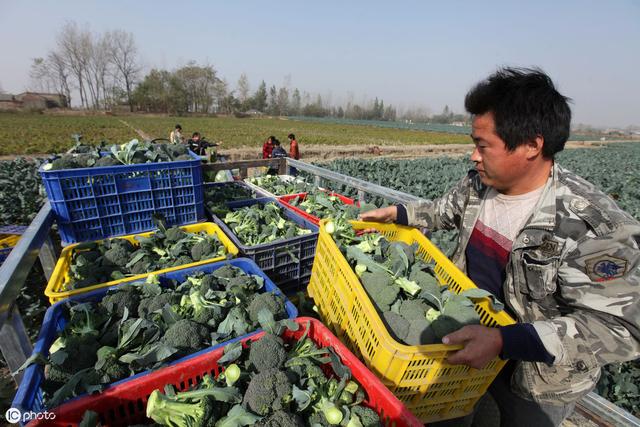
(9, 102)
(253, 112)
(32, 101)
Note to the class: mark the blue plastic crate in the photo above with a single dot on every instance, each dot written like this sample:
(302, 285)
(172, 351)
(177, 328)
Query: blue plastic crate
(29, 395)
(290, 273)
(13, 229)
(102, 202)
(4, 253)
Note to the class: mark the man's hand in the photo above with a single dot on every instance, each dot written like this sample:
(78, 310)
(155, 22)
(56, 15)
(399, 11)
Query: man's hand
(481, 345)
(388, 214)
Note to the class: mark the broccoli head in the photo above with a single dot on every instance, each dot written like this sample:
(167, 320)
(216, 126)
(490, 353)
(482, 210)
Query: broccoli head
(186, 334)
(397, 325)
(380, 288)
(420, 332)
(281, 419)
(123, 297)
(226, 272)
(367, 416)
(413, 309)
(268, 301)
(268, 391)
(267, 353)
(154, 303)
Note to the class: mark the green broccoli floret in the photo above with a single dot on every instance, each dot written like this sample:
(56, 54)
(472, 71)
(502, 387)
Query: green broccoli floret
(380, 288)
(317, 419)
(396, 324)
(186, 334)
(268, 391)
(154, 303)
(267, 353)
(413, 309)
(269, 301)
(125, 296)
(420, 332)
(367, 416)
(281, 419)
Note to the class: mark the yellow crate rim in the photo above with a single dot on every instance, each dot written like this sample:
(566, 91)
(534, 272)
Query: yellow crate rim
(403, 233)
(9, 240)
(55, 288)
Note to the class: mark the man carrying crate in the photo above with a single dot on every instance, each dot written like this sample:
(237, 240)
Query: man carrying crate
(560, 253)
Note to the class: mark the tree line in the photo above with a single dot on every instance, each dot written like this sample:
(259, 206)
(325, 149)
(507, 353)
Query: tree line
(104, 71)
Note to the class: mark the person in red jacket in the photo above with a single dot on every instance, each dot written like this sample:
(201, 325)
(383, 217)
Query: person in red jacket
(294, 152)
(267, 148)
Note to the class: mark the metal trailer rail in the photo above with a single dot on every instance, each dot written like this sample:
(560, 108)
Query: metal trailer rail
(36, 243)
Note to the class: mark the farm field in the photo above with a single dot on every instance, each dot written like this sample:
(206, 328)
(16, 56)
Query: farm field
(613, 168)
(40, 134)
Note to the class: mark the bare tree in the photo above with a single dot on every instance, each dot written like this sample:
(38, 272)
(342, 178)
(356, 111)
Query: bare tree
(124, 55)
(51, 75)
(243, 88)
(72, 46)
(98, 69)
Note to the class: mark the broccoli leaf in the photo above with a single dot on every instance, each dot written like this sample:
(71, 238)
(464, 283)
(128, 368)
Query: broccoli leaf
(238, 417)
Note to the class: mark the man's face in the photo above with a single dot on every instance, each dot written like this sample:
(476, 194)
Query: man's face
(196, 137)
(498, 167)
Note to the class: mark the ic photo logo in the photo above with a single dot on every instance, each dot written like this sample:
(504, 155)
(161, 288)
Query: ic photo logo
(14, 415)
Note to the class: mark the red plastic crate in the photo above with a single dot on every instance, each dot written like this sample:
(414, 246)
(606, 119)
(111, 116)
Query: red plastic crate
(285, 201)
(125, 404)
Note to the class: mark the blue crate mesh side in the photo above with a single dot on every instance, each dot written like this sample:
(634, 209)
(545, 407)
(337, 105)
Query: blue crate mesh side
(29, 394)
(13, 229)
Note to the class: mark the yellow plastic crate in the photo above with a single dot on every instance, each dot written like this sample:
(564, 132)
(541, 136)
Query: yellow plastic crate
(57, 290)
(419, 376)
(9, 240)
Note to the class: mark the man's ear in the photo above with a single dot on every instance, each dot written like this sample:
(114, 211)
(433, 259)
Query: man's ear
(534, 147)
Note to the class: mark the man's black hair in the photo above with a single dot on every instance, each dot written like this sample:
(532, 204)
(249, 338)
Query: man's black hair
(276, 141)
(291, 136)
(195, 134)
(178, 127)
(525, 104)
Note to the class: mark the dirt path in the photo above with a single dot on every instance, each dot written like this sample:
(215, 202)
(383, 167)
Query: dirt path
(320, 153)
(138, 131)
(325, 153)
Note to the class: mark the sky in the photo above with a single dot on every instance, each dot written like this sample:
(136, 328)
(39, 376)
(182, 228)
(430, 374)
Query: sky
(408, 53)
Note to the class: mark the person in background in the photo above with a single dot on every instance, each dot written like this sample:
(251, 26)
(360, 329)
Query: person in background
(199, 145)
(175, 137)
(294, 152)
(276, 153)
(267, 147)
(558, 251)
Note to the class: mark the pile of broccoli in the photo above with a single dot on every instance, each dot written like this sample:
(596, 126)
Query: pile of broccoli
(277, 186)
(271, 382)
(133, 152)
(412, 303)
(262, 223)
(216, 197)
(324, 205)
(140, 326)
(100, 262)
